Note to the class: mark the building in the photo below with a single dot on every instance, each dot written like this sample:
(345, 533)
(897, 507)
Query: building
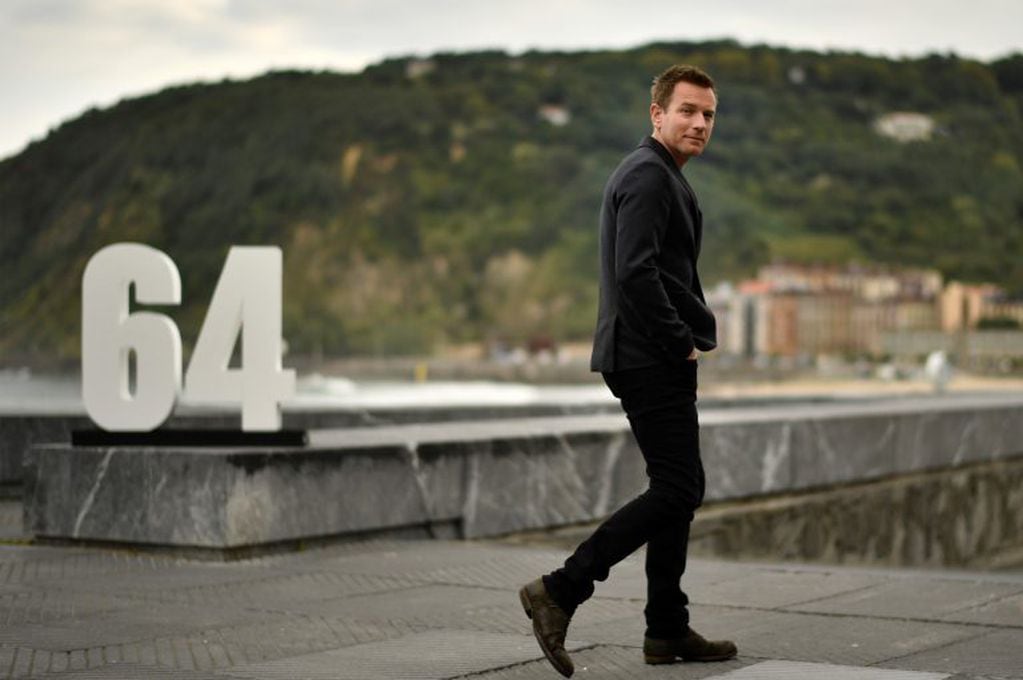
(810, 311)
(905, 126)
(963, 306)
(806, 312)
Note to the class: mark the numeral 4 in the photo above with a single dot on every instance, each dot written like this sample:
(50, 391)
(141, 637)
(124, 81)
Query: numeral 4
(246, 303)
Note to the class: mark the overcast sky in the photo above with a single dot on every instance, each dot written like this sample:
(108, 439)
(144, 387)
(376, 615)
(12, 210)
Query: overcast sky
(59, 57)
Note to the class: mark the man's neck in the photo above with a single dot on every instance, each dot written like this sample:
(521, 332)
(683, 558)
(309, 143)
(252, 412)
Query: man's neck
(679, 161)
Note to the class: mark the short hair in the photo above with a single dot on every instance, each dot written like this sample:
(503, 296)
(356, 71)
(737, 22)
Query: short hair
(664, 84)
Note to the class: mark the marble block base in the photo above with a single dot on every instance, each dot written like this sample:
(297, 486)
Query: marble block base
(485, 477)
(20, 431)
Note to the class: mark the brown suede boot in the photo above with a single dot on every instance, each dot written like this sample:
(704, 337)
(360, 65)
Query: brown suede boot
(550, 624)
(690, 647)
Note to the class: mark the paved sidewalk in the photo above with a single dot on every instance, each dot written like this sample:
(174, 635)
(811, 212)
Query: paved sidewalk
(406, 609)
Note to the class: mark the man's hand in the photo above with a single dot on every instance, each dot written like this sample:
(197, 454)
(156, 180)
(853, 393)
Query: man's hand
(694, 356)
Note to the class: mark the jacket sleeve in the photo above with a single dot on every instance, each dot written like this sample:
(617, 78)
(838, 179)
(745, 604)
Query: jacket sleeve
(643, 201)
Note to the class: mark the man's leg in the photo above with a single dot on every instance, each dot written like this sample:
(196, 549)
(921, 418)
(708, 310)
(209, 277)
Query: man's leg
(660, 404)
(649, 396)
(666, 610)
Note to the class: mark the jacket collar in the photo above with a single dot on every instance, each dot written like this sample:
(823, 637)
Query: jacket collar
(669, 160)
(661, 151)
(666, 156)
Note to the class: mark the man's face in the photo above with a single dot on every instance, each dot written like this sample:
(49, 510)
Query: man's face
(684, 127)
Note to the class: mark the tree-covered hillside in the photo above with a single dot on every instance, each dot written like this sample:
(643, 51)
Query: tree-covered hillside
(424, 202)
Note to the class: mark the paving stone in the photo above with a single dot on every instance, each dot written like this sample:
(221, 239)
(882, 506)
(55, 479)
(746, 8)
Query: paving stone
(711, 622)
(914, 598)
(494, 567)
(409, 557)
(157, 577)
(410, 609)
(455, 607)
(1005, 611)
(998, 653)
(608, 661)
(737, 623)
(627, 579)
(436, 604)
(513, 568)
(805, 637)
(507, 570)
(769, 589)
(701, 572)
(286, 636)
(433, 654)
(51, 565)
(140, 622)
(323, 556)
(24, 662)
(257, 642)
(503, 567)
(130, 671)
(849, 640)
(792, 670)
(278, 592)
(22, 606)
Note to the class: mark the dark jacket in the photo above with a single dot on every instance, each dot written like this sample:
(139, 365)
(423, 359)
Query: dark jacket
(652, 310)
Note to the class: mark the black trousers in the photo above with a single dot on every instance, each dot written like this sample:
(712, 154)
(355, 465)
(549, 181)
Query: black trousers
(660, 402)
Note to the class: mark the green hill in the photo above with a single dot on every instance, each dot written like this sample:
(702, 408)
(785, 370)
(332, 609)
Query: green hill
(424, 202)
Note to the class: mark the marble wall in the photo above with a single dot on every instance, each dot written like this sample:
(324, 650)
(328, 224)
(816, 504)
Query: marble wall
(487, 477)
(750, 453)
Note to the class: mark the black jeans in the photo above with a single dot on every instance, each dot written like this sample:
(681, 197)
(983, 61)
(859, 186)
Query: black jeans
(660, 402)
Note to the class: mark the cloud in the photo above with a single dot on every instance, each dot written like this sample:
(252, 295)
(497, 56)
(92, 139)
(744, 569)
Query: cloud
(58, 57)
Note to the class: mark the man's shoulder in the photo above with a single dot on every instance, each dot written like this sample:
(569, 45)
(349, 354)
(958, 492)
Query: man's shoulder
(641, 166)
(643, 154)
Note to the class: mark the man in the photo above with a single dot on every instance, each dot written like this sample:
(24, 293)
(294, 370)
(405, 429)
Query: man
(652, 323)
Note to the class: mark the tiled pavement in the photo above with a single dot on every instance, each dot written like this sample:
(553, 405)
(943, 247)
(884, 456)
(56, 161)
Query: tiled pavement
(406, 609)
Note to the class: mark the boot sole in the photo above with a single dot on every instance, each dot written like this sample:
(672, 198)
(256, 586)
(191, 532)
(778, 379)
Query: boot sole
(528, 608)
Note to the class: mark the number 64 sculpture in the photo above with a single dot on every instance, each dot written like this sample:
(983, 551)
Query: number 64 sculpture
(247, 300)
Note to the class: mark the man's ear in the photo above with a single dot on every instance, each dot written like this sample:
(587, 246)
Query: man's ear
(656, 113)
